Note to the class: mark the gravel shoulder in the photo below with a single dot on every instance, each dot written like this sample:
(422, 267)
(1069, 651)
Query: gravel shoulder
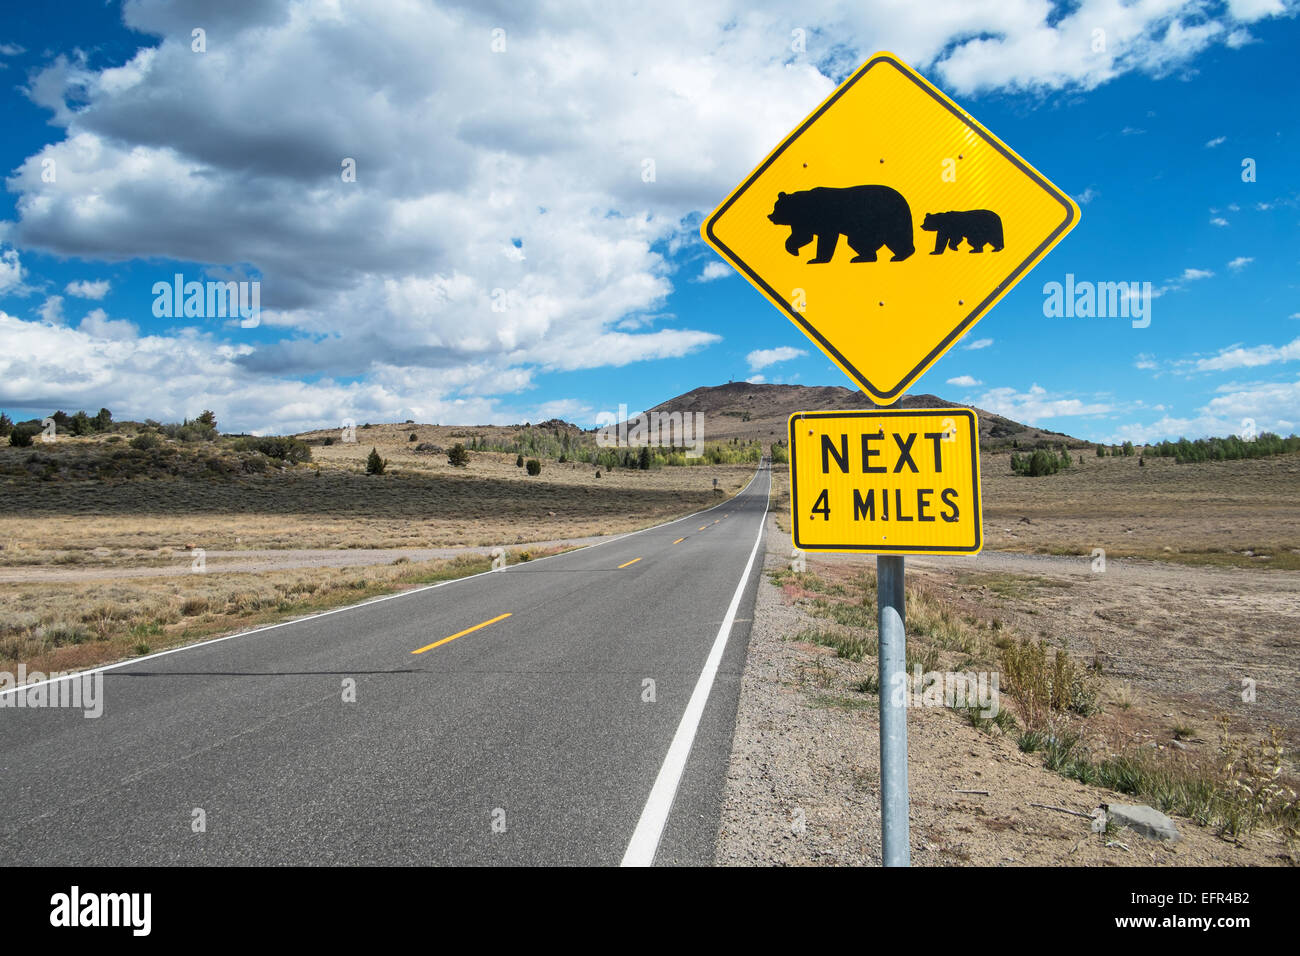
(803, 781)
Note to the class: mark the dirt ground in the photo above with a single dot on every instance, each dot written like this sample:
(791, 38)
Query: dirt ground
(803, 783)
(1214, 511)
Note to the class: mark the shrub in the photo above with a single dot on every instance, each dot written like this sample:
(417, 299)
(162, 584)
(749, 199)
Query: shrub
(145, 441)
(20, 438)
(374, 464)
(413, 437)
(534, 466)
(458, 456)
(519, 461)
(293, 450)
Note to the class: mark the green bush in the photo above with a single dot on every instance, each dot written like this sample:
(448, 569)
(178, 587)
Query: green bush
(20, 437)
(374, 464)
(534, 466)
(519, 462)
(145, 441)
(293, 450)
(458, 456)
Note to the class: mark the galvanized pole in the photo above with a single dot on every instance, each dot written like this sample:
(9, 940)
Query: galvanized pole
(891, 620)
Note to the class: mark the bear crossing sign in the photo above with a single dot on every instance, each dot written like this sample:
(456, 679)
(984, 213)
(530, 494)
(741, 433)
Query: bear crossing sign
(888, 164)
(889, 481)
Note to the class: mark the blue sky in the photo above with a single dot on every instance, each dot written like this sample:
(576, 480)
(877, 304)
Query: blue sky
(500, 256)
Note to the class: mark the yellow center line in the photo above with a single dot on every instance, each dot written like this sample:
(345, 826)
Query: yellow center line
(633, 561)
(468, 630)
(679, 541)
(701, 527)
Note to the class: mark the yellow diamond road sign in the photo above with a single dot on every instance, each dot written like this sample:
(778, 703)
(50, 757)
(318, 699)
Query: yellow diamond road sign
(889, 481)
(887, 224)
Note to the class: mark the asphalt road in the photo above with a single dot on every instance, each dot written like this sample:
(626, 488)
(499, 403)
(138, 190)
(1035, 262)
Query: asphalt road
(530, 740)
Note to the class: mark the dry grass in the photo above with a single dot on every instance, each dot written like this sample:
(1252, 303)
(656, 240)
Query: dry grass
(74, 626)
(331, 503)
(1234, 513)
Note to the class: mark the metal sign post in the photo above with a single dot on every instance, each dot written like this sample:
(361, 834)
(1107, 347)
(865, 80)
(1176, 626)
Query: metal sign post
(891, 619)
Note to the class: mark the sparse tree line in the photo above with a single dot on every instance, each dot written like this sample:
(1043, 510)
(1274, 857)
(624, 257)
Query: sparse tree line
(149, 434)
(1225, 449)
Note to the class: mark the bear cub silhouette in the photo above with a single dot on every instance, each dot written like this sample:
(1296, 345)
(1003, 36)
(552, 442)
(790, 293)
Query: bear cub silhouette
(979, 227)
(868, 216)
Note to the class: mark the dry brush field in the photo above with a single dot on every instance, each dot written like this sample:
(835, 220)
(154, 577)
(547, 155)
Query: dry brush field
(164, 503)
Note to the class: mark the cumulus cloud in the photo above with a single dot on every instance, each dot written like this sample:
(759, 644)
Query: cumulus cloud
(1037, 404)
(978, 344)
(11, 271)
(762, 358)
(86, 289)
(104, 362)
(1239, 263)
(1270, 405)
(714, 270)
(964, 381)
(1217, 141)
(1238, 357)
(501, 221)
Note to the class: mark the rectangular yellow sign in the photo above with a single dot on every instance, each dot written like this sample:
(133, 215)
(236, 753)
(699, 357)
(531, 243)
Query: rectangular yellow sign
(888, 481)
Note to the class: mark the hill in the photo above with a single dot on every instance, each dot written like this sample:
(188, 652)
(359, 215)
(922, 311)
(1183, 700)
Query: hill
(759, 412)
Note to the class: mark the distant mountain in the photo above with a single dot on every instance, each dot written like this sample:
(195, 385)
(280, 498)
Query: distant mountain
(742, 410)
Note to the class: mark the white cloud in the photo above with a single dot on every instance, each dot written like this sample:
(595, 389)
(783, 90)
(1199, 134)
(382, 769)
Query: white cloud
(762, 358)
(1239, 357)
(1191, 275)
(1271, 405)
(1087, 196)
(51, 310)
(714, 270)
(1217, 141)
(97, 324)
(86, 289)
(1144, 362)
(964, 381)
(1239, 263)
(11, 271)
(169, 377)
(1218, 221)
(756, 379)
(1036, 404)
(978, 344)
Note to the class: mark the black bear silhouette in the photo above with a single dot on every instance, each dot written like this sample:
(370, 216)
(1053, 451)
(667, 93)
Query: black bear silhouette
(868, 216)
(979, 227)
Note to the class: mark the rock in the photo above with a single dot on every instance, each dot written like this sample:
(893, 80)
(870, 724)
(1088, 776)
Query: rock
(1148, 821)
(1178, 745)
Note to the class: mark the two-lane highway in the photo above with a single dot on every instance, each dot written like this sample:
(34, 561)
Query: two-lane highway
(577, 709)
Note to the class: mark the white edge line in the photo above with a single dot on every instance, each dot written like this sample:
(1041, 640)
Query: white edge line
(352, 607)
(650, 827)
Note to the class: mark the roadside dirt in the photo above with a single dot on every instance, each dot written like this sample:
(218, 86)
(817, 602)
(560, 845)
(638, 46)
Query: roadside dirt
(803, 782)
(244, 562)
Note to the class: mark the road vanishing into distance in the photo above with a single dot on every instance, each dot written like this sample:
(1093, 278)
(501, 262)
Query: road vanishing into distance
(578, 709)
